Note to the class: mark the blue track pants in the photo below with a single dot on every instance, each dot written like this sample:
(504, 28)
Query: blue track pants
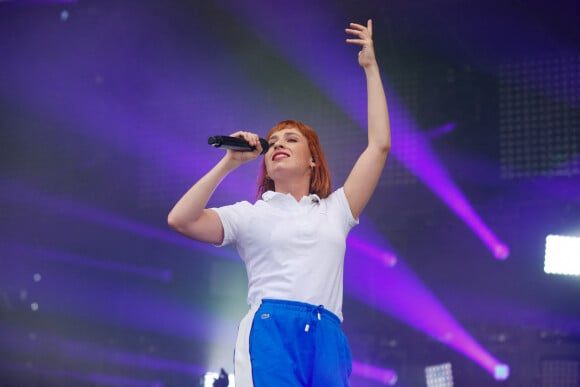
(292, 344)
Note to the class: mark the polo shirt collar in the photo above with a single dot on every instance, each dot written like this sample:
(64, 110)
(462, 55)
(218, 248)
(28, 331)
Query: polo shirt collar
(269, 195)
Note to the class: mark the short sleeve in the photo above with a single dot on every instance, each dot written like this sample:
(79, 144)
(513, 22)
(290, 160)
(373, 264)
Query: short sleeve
(232, 218)
(341, 200)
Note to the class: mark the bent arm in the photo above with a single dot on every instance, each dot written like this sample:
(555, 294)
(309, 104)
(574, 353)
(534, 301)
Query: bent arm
(364, 176)
(190, 216)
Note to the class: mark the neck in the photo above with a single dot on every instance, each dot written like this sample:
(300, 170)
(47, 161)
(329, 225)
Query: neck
(297, 191)
(295, 184)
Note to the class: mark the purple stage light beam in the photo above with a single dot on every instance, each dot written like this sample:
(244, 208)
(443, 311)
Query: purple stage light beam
(391, 287)
(398, 292)
(74, 350)
(164, 275)
(382, 375)
(427, 167)
(18, 193)
(440, 130)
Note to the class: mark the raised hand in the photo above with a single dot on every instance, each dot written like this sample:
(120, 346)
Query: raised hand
(364, 38)
(364, 177)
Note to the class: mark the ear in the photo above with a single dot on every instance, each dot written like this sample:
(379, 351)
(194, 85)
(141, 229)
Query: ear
(312, 162)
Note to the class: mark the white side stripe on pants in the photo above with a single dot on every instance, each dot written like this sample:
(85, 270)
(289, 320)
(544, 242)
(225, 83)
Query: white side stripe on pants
(242, 361)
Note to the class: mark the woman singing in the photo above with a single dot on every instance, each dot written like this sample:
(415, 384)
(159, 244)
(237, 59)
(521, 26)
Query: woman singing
(292, 241)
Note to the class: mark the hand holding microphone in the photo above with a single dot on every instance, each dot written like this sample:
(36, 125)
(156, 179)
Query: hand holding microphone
(240, 141)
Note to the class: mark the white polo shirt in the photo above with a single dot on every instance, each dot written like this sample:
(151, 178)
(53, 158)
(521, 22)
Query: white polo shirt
(292, 250)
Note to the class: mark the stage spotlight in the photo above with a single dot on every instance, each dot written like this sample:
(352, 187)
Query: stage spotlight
(440, 375)
(64, 15)
(501, 372)
(562, 255)
(221, 379)
(501, 251)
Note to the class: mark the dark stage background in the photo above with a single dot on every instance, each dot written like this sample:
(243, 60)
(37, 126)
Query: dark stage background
(105, 111)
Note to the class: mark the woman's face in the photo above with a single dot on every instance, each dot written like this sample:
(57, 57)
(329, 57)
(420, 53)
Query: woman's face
(288, 154)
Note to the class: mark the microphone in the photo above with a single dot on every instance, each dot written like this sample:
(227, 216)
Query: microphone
(236, 143)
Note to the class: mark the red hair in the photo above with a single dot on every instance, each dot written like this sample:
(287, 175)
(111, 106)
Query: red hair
(319, 179)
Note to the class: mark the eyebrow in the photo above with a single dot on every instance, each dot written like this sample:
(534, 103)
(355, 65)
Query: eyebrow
(286, 134)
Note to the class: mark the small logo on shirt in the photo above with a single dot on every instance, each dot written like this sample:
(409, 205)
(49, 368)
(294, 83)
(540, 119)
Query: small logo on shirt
(265, 316)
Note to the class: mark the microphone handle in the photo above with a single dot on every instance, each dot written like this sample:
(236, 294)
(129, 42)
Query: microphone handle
(235, 143)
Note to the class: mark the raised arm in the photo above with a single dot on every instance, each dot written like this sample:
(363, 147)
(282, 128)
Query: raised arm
(365, 174)
(190, 216)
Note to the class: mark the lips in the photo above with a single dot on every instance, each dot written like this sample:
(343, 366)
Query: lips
(279, 155)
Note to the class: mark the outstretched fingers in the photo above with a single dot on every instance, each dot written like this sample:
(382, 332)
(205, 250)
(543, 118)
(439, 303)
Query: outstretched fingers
(363, 37)
(363, 33)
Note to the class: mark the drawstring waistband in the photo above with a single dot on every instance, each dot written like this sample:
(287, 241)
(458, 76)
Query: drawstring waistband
(317, 313)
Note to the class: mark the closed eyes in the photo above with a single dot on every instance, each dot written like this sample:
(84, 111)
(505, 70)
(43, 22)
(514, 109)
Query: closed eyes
(271, 143)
